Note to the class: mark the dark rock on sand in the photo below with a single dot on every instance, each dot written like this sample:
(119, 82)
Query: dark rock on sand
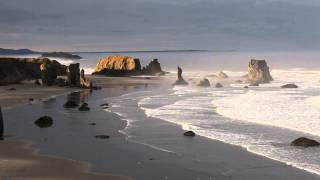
(289, 86)
(304, 142)
(189, 134)
(258, 72)
(222, 75)
(180, 80)
(118, 66)
(71, 104)
(44, 122)
(74, 75)
(61, 55)
(218, 85)
(204, 83)
(1, 125)
(15, 70)
(84, 107)
(153, 68)
(48, 74)
(102, 136)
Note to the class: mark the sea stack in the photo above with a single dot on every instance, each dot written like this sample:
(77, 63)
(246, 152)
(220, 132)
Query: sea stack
(1, 125)
(258, 72)
(118, 66)
(74, 75)
(153, 68)
(180, 80)
(84, 82)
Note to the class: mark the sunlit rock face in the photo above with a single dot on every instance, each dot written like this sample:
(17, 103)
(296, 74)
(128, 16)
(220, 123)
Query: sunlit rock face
(118, 66)
(258, 72)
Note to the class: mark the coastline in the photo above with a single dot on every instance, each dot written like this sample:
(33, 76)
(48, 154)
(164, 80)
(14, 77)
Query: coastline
(198, 157)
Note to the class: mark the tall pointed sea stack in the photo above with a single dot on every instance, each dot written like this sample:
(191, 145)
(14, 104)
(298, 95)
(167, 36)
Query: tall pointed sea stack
(258, 72)
(180, 80)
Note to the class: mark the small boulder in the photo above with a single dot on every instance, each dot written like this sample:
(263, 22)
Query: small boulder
(218, 85)
(71, 104)
(189, 134)
(103, 136)
(289, 86)
(304, 142)
(44, 122)
(204, 83)
(84, 107)
(222, 75)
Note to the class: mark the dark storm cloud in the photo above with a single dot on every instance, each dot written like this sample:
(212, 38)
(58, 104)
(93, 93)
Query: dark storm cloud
(155, 24)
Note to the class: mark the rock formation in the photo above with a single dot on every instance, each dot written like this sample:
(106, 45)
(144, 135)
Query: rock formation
(258, 72)
(1, 125)
(289, 86)
(118, 66)
(74, 75)
(153, 68)
(48, 74)
(180, 80)
(204, 83)
(222, 75)
(304, 142)
(15, 70)
(84, 83)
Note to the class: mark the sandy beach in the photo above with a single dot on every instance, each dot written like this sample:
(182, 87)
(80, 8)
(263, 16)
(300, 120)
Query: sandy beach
(188, 158)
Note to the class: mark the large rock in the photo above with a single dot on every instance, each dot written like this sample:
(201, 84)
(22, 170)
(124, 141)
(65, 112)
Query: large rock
(204, 83)
(118, 66)
(84, 83)
(48, 74)
(153, 68)
(289, 86)
(222, 75)
(1, 125)
(44, 122)
(304, 142)
(258, 72)
(15, 70)
(180, 80)
(74, 75)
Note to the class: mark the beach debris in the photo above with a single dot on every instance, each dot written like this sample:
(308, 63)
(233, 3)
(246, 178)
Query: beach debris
(189, 134)
(102, 136)
(204, 83)
(12, 89)
(1, 125)
(258, 72)
(289, 86)
(218, 85)
(71, 104)
(37, 82)
(44, 122)
(180, 80)
(92, 124)
(222, 75)
(304, 142)
(84, 107)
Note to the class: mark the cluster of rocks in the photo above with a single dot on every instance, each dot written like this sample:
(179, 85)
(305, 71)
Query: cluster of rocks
(126, 66)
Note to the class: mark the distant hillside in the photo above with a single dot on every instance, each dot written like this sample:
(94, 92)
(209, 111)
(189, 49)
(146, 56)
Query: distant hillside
(61, 55)
(16, 51)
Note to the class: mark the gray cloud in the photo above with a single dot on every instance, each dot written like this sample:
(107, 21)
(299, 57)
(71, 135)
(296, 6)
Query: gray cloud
(154, 24)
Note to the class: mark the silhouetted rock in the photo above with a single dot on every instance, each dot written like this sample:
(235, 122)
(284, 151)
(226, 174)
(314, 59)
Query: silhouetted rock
(74, 75)
(48, 74)
(44, 122)
(218, 85)
(189, 134)
(222, 75)
(84, 107)
(61, 55)
(152, 68)
(84, 83)
(180, 80)
(102, 136)
(1, 125)
(289, 86)
(15, 70)
(118, 66)
(304, 142)
(258, 72)
(204, 83)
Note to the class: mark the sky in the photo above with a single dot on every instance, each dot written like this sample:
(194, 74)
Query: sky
(119, 25)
